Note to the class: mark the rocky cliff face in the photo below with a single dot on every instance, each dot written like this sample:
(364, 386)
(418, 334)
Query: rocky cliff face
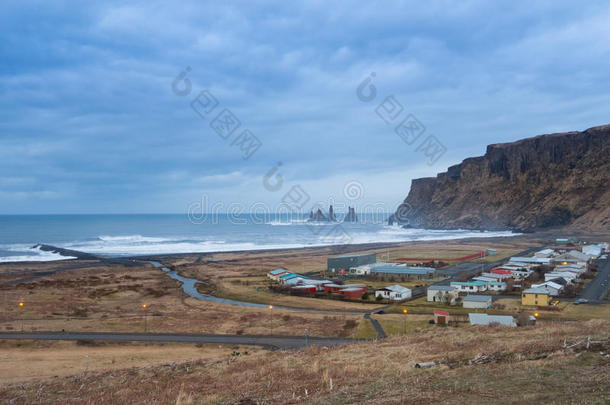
(546, 181)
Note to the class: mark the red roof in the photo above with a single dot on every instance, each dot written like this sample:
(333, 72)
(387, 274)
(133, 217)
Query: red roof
(442, 313)
(501, 271)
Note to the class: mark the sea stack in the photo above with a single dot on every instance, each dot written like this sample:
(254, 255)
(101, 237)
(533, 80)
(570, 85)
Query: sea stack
(318, 216)
(351, 215)
(331, 215)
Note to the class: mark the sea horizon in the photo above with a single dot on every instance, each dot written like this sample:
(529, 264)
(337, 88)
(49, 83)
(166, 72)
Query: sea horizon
(124, 235)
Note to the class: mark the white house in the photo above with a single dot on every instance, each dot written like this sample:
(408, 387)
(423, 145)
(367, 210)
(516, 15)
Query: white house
(553, 288)
(477, 301)
(439, 293)
(545, 253)
(570, 276)
(497, 286)
(469, 286)
(530, 260)
(592, 251)
(394, 292)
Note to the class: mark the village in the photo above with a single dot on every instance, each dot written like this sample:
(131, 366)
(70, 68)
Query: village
(533, 283)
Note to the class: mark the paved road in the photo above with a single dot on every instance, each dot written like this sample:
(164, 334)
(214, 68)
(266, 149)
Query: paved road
(377, 326)
(270, 342)
(475, 268)
(597, 288)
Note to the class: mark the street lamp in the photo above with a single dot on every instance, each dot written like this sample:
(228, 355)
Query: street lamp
(405, 311)
(144, 306)
(21, 305)
(271, 317)
(536, 315)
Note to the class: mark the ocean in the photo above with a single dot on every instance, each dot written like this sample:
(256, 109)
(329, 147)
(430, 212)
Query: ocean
(132, 235)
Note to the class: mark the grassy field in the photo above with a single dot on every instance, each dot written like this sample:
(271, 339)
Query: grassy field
(109, 299)
(38, 360)
(522, 365)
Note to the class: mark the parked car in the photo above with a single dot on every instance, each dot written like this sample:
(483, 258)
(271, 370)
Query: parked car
(581, 301)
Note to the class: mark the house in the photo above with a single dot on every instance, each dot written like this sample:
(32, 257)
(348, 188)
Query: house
(353, 292)
(319, 284)
(484, 319)
(545, 253)
(303, 289)
(573, 256)
(343, 264)
(497, 286)
(508, 273)
(469, 286)
(486, 280)
(360, 286)
(441, 293)
(531, 260)
(570, 276)
(536, 296)
(394, 292)
(553, 288)
(441, 317)
(477, 301)
(295, 280)
(275, 274)
(283, 279)
(497, 276)
(593, 251)
(333, 288)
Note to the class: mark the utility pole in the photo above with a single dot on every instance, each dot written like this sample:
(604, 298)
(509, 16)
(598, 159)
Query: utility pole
(271, 318)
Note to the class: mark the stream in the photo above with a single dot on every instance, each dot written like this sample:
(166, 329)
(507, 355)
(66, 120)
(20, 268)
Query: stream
(189, 288)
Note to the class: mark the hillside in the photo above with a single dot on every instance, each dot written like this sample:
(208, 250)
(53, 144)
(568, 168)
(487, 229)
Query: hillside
(546, 181)
(478, 365)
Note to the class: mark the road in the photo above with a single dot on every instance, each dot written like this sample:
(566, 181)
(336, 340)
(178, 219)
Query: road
(270, 342)
(377, 326)
(597, 289)
(472, 268)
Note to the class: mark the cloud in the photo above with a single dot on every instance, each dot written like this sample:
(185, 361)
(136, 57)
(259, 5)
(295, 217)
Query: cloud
(87, 111)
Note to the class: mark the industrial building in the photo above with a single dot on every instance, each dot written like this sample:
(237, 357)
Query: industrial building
(402, 270)
(484, 319)
(342, 264)
(477, 301)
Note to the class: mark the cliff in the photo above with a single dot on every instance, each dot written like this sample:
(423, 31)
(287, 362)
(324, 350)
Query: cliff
(546, 181)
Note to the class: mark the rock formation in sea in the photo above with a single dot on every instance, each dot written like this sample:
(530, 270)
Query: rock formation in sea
(555, 180)
(318, 216)
(351, 215)
(331, 215)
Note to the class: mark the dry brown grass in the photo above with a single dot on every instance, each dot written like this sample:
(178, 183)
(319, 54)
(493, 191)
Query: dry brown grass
(529, 365)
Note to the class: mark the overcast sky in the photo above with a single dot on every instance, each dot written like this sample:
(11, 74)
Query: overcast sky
(90, 121)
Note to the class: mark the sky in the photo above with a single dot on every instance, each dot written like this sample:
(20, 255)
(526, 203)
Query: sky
(96, 117)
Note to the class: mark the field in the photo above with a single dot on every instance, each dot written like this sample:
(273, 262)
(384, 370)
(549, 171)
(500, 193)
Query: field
(104, 296)
(514, 365)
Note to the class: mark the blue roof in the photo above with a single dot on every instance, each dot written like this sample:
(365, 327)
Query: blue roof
(441, 288)
(278, 271)
(477, 283)
(288, 276)
(497, 283)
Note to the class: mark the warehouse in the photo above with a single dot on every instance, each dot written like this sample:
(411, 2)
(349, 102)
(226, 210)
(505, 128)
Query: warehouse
(484, 319)
(402, 270)
(352, 292)
(477, 301)
(342, 264)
